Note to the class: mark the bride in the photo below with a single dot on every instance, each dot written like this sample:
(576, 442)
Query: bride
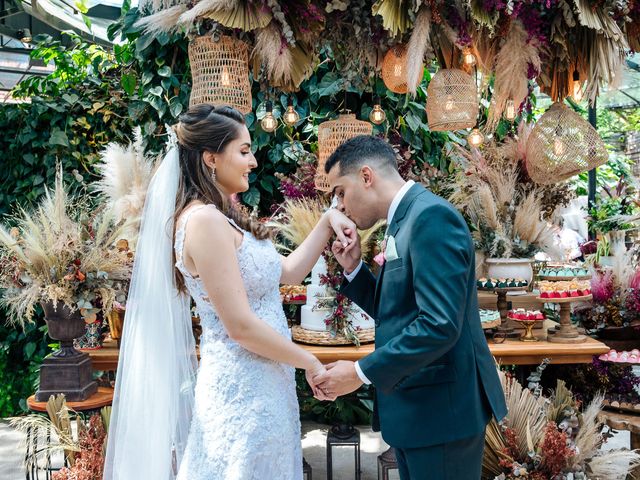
(241, 420)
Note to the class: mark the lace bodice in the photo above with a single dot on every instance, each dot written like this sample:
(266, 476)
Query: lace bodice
(246, 421)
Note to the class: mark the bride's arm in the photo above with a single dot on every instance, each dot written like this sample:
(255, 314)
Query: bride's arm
(297, 265)
(209, 243)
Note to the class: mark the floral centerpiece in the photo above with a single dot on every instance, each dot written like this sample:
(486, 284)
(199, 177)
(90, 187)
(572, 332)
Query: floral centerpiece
(550, 438)
(616, 301)
(509, 215)
(61, 253)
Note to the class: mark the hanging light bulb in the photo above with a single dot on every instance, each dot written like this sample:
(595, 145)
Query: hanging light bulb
(225, 78)
(377, 115)
(290, 117)
(510, 110)
(468, 58)
(558, 147)
(269, 122)
(449, 104)
(576, 87)
(475, 138)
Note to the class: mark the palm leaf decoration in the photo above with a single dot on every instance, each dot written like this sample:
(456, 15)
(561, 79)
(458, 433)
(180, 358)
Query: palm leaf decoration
(395, 15)
(247, 17)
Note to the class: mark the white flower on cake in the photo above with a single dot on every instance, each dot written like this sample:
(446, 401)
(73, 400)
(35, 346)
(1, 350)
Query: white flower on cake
(314, 316)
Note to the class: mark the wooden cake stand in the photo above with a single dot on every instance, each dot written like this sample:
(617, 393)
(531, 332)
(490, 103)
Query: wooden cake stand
(504, 330)
(567, 333)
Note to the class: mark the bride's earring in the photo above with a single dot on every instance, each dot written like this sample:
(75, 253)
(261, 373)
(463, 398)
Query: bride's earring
(213, 174)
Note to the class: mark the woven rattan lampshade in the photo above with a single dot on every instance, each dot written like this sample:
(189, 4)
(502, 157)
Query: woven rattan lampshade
(561, 145)
(394, 69)
(331, 135)
(220, 72)
(452, 100)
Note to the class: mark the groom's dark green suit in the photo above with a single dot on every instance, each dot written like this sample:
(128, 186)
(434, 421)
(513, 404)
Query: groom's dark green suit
(436, 381)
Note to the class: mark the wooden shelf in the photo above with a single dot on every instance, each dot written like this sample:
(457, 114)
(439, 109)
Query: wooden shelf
(510, 352)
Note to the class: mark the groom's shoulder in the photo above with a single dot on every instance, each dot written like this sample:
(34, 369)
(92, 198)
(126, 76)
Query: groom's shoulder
(429, 204)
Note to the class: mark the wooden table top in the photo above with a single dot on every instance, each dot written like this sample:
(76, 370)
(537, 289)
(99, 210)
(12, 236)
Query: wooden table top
(102, 398)
(511, 352)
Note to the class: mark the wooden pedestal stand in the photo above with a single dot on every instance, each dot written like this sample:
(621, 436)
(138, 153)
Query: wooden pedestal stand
(504, 330)
(567, 333)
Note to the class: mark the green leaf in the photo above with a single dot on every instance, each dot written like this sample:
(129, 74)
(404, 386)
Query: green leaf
(330, 84)
(143, 42)
(251, 197)
(70, 98)
(58, 137)
(165, 71)
(129, 82)
(175, 107)
(157, 91)
(29, 349)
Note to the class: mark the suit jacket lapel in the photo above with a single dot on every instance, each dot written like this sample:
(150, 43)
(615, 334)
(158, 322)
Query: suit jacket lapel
(400, 213)
(403, 208)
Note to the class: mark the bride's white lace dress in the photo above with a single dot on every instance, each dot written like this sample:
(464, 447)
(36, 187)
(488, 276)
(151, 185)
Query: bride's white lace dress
(245, 422)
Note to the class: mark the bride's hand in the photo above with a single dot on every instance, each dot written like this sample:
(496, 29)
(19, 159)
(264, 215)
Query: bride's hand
(346, 231)
(310, 374)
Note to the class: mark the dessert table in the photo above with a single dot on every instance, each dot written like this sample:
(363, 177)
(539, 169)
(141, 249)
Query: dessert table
(510, 352)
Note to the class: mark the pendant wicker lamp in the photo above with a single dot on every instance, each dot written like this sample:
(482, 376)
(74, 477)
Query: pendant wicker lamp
(561, 145)
(452, 100)
(331, 135)
(394, 69)
(220, 72)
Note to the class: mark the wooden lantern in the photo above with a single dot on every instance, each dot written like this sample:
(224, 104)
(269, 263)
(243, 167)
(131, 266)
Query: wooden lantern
(331, 135)
(220, 72)
(561, 145)
(394, 69)
(452, 100)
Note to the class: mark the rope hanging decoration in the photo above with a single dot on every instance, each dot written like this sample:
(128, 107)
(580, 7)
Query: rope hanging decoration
(452, 101)
(220, 72)
(394, 69)
(331, 135)
(562, 144)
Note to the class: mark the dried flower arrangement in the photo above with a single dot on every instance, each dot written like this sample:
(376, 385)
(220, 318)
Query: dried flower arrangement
(616, 296)
(566, 46)
(62, 251)
(550, 438)
(84, 455)
(509, 215)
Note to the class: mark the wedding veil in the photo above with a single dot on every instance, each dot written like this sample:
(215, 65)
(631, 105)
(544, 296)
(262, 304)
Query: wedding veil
(153, 396)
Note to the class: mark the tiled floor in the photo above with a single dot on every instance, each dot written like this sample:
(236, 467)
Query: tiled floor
(313, 443)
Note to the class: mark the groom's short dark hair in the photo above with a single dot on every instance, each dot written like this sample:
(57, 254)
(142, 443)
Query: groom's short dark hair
(361, 150)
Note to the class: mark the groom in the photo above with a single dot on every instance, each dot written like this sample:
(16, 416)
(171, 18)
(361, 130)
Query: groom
(436, 381)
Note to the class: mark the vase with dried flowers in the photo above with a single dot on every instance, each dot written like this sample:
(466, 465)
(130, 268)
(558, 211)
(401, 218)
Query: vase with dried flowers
(62, 256)
(545, 438)
(508, 214)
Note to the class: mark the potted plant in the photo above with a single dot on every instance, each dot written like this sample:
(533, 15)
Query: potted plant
(507, 213)
(61, 256)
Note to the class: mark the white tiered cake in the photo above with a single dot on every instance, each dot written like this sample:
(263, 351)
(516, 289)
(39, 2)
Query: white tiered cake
(314, 319)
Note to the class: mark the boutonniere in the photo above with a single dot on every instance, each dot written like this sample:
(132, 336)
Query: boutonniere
(387, 250)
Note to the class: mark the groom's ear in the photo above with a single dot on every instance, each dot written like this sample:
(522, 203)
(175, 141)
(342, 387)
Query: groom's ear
(366, 174)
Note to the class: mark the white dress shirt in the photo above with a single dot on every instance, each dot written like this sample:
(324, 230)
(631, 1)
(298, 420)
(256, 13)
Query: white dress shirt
(350, 276)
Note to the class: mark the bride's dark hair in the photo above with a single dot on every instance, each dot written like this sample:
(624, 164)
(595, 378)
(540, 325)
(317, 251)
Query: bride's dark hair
(207, 128)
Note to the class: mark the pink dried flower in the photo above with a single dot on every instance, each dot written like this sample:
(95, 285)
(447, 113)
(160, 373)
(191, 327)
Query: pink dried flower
(602, 287)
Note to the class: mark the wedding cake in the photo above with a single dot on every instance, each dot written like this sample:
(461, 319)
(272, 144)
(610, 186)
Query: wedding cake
(314, 318)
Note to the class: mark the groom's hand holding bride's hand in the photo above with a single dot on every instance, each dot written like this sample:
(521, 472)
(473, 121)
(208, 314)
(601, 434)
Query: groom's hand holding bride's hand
(344, 228)
(339, 378)
(311, 374)
(348, 258)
